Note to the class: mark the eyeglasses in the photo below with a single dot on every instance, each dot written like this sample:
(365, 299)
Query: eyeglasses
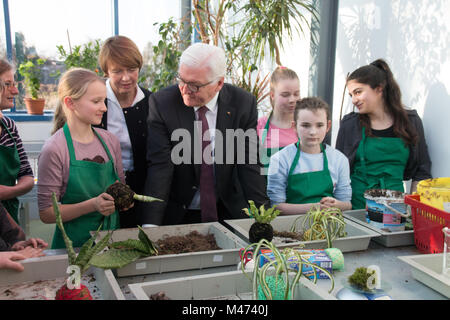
(9, 84)
(192, 87)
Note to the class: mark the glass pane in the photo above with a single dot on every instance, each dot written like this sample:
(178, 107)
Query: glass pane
(38, 27)
(136, 19)
(2, 33)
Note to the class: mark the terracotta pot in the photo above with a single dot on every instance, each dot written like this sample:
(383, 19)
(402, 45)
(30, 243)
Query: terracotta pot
(35, 106)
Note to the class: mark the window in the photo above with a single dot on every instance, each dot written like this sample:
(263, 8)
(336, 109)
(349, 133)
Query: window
(38, 27)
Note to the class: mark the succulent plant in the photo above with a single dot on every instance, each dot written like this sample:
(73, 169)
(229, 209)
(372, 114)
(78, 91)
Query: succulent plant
(261, 228)
(120, 254)
(124, 196)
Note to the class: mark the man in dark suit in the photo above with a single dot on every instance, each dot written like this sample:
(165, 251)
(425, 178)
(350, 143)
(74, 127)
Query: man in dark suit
(217, 185)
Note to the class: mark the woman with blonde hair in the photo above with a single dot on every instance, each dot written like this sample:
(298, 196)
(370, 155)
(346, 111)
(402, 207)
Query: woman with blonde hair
(79, 162)
(16, 175)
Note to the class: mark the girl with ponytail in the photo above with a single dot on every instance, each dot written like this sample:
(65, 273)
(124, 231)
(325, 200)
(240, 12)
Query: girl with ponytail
(384, 141)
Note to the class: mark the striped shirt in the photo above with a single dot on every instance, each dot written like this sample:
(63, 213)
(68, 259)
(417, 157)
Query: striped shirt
(7, 141)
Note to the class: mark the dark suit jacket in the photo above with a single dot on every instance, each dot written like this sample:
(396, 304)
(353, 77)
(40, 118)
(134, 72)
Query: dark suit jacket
(135, 117)
(177, 184)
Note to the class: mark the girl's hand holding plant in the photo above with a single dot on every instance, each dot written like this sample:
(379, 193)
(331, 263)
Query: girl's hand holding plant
(104, 203)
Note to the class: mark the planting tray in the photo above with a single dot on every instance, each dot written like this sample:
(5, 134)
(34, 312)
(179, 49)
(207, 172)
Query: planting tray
(233, 285)
(386, 238)
(225, 239)
(43, 276)
(358, 237)
(427, 268)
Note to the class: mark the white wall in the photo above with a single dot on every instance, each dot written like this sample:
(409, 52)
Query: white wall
(413, 36)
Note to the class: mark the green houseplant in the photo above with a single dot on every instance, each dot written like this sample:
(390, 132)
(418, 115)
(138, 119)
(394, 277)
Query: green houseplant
(83, 56)
(279, 276)
(31, 72)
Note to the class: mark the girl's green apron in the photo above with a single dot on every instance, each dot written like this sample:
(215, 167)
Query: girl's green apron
(86, 180)
(267, 152)
(379, 164)
(10, 166)
(309, 187)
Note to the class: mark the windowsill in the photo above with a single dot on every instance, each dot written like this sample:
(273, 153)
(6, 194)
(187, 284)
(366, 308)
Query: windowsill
(22, 116)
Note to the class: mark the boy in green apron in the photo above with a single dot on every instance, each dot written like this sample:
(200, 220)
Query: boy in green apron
(384, 142)
(308, 172)
(93, 161)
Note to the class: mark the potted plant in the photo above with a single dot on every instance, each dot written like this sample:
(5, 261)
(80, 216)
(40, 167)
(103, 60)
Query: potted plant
(31, 71)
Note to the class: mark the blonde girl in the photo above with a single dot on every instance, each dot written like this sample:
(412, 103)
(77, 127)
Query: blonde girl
(79, 162)
(277, 130)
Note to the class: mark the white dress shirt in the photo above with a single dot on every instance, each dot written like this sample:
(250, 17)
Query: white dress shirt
(118, 126)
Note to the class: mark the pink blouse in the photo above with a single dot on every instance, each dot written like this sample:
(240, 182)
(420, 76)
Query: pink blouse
(273, 140)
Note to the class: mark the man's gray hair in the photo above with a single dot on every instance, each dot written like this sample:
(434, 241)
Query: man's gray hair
(202, 54)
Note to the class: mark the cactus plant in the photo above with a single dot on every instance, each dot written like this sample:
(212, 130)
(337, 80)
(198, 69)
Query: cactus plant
(261, 229)
(120, 254)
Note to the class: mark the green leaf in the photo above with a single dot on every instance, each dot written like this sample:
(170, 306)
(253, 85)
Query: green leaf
(70, 252)
(151, 249)
(115, 258)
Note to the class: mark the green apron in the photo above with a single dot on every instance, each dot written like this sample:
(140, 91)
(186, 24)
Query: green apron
(309, 187)
(379, 164)
(267, 152)
(10, 166)
(86, 180)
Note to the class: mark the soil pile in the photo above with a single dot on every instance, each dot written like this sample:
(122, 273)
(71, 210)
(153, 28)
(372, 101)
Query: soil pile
(192, 242)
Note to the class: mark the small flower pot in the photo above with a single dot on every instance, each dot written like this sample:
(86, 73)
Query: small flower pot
(35, 106)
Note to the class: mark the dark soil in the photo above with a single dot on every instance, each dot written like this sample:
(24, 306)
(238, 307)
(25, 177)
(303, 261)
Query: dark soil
(192, 242)
(286, 234)
(260, 231)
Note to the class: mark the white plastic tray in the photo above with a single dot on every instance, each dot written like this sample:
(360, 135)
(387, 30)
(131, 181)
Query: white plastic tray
(358, 237)
(387, 239)
(54, 267)
(228, 255)
(233, 285)
(427, 268)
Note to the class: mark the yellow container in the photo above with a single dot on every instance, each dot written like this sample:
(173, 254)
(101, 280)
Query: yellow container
(435, 192)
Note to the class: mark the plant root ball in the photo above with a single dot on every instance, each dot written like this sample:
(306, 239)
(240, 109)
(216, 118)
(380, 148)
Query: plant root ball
(122, 194)
(260, 231)
(65, 293)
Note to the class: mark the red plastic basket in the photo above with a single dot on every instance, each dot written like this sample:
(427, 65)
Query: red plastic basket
(428, 223)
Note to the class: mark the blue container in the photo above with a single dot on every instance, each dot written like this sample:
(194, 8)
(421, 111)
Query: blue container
(385, 209)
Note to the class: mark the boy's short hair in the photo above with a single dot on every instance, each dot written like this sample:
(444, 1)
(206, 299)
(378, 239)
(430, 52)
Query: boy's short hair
(312, 104)
(120, 50)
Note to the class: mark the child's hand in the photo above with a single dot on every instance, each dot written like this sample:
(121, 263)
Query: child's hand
(328, 202)
(30, 252)
(104, 204)
(32, 242)
(7, 260)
